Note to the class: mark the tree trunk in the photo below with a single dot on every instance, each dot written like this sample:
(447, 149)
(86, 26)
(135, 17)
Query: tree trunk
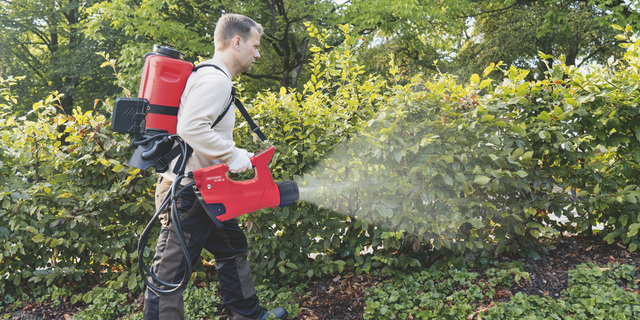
(300, 58)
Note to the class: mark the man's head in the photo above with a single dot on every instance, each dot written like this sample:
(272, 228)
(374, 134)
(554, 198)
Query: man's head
(238, 36)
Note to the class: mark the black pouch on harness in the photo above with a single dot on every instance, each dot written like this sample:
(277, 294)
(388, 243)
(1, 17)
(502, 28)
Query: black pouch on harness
(151, 147)
(129, 116)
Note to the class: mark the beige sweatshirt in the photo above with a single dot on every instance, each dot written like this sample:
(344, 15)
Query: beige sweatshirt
(205, 95)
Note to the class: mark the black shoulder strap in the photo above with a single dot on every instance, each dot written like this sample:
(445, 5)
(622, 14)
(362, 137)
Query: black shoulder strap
(245, 114)
(226, 107)
(243, 111)
(202, 65)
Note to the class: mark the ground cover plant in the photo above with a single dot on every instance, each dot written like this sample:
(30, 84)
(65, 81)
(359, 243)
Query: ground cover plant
(594, 292)
(438, 181)
(510, 287)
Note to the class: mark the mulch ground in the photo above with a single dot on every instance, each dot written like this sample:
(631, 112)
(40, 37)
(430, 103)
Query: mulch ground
(548, 275)
(342, 297)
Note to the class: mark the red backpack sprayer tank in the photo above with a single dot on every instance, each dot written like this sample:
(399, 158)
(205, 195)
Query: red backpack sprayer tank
(151, 121)
(152, 117)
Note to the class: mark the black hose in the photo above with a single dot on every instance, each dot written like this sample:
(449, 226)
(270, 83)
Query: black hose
(170, 197)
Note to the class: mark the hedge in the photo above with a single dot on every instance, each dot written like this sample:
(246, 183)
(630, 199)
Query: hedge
(396, 170)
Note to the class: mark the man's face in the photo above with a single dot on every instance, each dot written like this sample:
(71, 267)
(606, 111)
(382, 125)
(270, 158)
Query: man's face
(248, 51)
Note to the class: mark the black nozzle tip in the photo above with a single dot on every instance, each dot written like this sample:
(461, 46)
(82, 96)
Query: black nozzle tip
(289, 192)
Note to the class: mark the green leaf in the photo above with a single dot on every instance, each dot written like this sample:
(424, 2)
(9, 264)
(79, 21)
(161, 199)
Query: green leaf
(447, 158)
(484, 83)
(621, 37)
(482, 180)
(544, 116)
(475, 78)
(534, 225)
(133, 282)
(517, 153)
(488, 70)
(631, 198)
(487, 117)
(38, 238)
(521, 174)
(476, 223)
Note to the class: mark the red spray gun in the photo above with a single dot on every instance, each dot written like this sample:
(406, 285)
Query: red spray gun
(225, 199)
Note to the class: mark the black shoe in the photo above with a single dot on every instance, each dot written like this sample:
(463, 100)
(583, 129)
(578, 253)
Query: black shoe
(280, 313)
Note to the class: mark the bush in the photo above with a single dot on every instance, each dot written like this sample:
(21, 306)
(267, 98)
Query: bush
(469, 170)
(393, 172)
(304, 126)
(71, 209)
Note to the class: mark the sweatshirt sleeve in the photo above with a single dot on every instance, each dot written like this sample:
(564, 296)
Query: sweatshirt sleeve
(201, 106)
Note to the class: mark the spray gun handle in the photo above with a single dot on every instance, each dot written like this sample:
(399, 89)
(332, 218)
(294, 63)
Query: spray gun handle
(219, 173)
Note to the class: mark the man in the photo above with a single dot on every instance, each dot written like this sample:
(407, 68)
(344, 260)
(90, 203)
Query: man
(206, 94)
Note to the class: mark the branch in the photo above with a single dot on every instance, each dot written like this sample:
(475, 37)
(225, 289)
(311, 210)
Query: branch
(270, 37)
(30, 60)
(281, 10)
(274, 44)
(43, 37)
(592, 54)
(273, 15)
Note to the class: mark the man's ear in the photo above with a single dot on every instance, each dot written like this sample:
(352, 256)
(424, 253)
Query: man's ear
(236, 42)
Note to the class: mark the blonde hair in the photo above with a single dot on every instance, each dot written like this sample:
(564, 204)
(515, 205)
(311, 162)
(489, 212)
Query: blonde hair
(231, 25)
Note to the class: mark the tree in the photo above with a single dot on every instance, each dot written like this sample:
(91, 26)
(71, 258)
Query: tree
(466, 36)
(416, 32)
(287, 36)
(43, 40)
(516, 31)
(188, 25)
